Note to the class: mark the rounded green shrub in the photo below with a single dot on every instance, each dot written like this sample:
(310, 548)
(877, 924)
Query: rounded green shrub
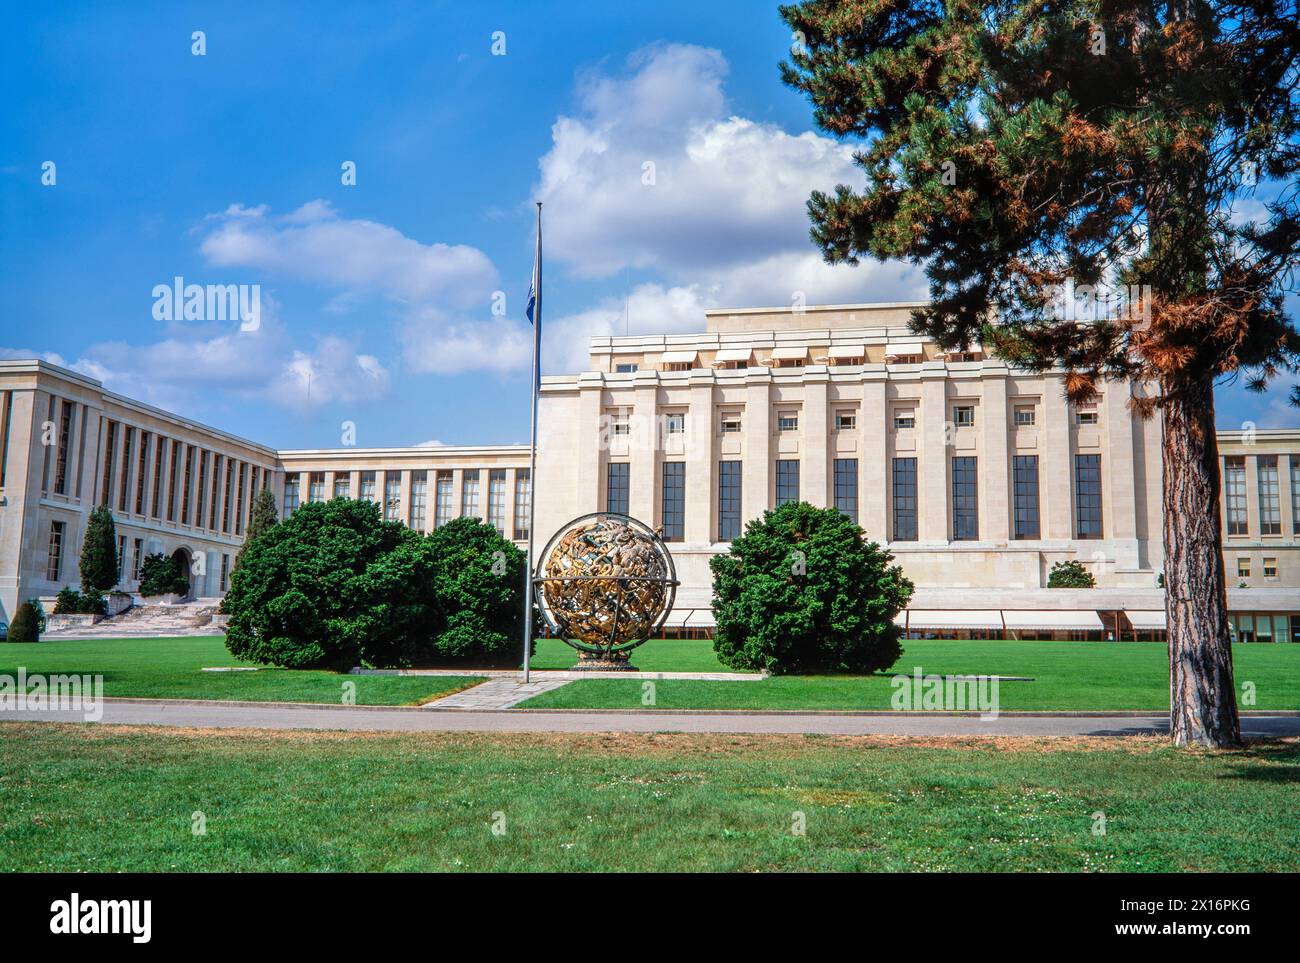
(804, 591)
(478, 578)
(162, 575)
(1070, 574)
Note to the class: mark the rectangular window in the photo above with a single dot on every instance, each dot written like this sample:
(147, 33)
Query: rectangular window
(225, 572)
(121, 557)
(1024, 484)
(522, 493)
(225, 508)
(846, 486)
(214, 489)
(965, 501)
(730, 423)
(203, 488)
(1243, 568)
(54, 569)
(137, 558)
(1295, 494)
(675, 423)
(316, 486)
(419, 499)
(1270, 568)
(175, 466)
(393, 496)
(729, 483)
(239, 497)
(1087, 496)
(1234, 487)
(904, 499)
(963, 416)
(442, 499)
(616, 487)
(368, 487)
(1086, 415)
(904, 418)
(787, 480)
(497, 499)
(788, 421)
(342, 485)
(290, 496)
(1270, 509)
(674, 501)
(469, 495)
(61, 454)
(1025, 416)
(185, 487)
(106, 485)
(159, 444)
(846, 421)
(124, 495)
(624, 368)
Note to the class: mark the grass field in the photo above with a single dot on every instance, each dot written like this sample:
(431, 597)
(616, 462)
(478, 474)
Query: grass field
(101, 798)
(1067, 675)
(171, 669)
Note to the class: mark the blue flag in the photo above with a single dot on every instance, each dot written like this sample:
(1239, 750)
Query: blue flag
(532, 294)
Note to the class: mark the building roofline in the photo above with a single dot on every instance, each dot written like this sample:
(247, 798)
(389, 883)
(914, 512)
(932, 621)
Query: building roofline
(814, 308)
(408, 450)
(40, 366)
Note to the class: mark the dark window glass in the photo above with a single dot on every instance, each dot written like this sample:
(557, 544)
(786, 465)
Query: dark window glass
(728, 500)
(904, 499)
(787, 481)
(846, 486)
(1087, 496)
(965, 501)
(1024, 483)
(616, 482)
(674, 501)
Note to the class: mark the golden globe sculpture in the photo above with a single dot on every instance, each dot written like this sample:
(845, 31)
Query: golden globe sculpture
(604, 584)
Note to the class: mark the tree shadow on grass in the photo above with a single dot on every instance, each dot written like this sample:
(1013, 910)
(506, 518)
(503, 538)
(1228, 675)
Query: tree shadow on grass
(1269, 761)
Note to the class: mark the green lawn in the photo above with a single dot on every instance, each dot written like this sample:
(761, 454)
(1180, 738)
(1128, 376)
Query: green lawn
(657, 655)
(170, 669)
(101, 798)
(1067, 675)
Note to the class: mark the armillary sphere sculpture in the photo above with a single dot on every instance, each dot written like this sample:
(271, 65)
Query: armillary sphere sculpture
(604, 584)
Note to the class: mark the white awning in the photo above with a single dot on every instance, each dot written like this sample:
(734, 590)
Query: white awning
(897, 349)
(1143, 621)
(954, 619)
(1048, 620)
(678, 357)
(789, 354)
(734, 354)
(700, 619)
(848, 351)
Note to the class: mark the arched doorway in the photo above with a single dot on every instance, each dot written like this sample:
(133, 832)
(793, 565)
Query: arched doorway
(182, 558)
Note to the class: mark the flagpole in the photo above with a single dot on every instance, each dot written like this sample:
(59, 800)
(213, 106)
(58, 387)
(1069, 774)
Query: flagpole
(532, 451)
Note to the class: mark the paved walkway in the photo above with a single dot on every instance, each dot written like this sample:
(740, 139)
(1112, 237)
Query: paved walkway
(494, 694)
(289, 716)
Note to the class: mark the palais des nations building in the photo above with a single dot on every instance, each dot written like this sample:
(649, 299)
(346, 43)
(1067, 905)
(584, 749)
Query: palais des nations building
(978, 477)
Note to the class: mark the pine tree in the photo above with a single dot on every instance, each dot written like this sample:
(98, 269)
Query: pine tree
(99, 552)
(1015, 147)
(262, 517)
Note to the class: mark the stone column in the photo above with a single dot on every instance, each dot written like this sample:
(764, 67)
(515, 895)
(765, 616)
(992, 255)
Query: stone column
(1056, 466)
(814, 440)
(701, 461)
(934, 508)
(756, 425)
(995, 459)
(873, 472)
(643, 449)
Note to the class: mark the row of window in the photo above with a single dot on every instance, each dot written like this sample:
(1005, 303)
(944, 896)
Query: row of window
(54, 563)
(903, 493)
(1268, 492)
(904, 418)
(416, 514)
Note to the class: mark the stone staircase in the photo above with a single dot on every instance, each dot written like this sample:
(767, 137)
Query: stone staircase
(148, 621)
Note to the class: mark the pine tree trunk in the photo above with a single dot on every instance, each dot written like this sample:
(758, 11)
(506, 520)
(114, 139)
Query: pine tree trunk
(1203, 702)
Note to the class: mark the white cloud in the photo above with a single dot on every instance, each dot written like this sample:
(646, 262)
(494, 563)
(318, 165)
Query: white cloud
(723, 221)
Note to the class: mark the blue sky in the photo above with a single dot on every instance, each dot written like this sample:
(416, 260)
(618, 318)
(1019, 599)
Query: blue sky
(673, 163)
